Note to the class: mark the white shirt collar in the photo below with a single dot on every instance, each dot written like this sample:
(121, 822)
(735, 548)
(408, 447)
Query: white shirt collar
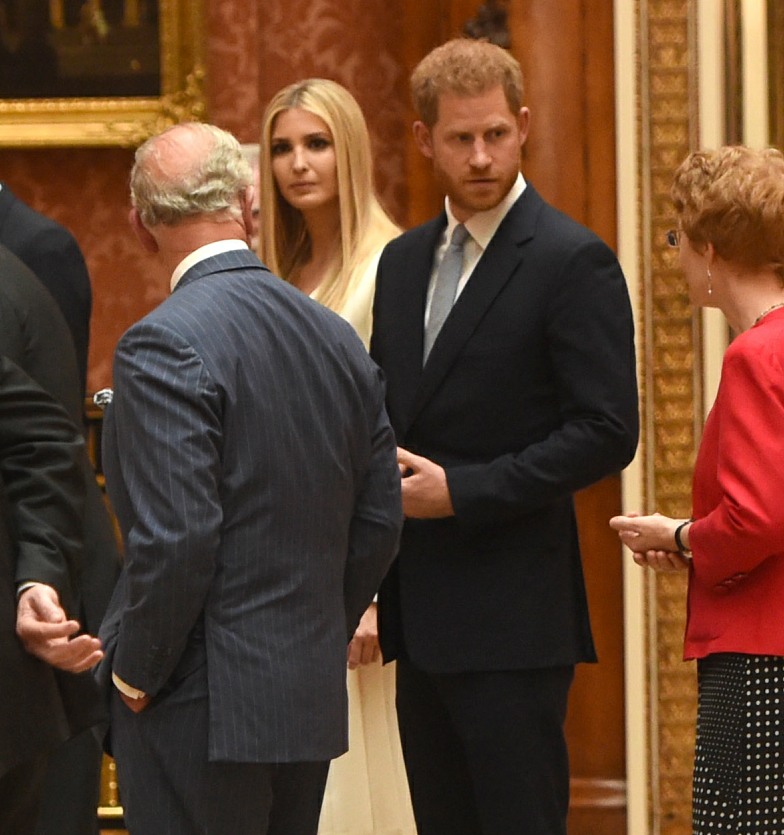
(201, 254)
(483, 225)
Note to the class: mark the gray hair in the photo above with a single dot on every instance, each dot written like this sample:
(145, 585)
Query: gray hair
(169, 187)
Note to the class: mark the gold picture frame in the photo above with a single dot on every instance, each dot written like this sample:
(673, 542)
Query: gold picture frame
(123, 120)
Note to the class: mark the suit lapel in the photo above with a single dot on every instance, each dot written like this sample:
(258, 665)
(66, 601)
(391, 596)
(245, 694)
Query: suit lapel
(503, 256)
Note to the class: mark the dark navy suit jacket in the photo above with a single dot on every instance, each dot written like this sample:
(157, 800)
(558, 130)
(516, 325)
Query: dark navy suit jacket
(34, 334)
(53, 254)
(528, 395)
(41, 506)
(252, 467)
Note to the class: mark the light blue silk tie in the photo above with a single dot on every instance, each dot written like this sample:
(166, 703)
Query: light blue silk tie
(445, 290)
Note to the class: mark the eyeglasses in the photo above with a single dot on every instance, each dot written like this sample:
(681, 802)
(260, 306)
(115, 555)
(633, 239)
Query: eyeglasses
(674, 237)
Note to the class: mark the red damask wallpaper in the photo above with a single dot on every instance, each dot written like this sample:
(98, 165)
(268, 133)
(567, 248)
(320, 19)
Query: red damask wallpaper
(357, 43)
(252, 49)
(232, 84)
(86, 191)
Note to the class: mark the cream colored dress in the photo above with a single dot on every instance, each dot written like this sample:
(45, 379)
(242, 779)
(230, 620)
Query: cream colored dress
(367, 790)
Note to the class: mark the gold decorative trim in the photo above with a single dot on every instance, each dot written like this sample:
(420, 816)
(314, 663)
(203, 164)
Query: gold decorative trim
(776, 72)
(109, 807)
(671, 386)
(121, 121)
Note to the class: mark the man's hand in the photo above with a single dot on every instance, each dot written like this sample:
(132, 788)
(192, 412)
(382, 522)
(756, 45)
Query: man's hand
(364, 648)
(134, 699)
(136, 705)
(424, 486)
(45, 632)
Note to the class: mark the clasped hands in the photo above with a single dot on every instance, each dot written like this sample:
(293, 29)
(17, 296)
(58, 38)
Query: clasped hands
(46, 632)
(651, 540)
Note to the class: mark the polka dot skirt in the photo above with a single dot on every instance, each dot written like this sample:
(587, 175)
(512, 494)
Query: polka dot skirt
(739, 758)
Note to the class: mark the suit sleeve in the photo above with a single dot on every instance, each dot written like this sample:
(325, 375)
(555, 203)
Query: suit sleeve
(747, 525)
(41, 453)
(166, 415)
(12, 341)
(54, 256)
(590, 346)
(378, 514)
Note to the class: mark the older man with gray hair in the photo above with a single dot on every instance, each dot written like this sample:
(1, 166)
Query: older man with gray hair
(251, 464)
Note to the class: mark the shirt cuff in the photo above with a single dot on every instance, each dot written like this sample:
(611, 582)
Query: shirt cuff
(126, 689)
(28, 584)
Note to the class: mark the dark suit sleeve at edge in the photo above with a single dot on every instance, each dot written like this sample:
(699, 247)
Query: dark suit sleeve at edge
(40, 457)
(55, 257)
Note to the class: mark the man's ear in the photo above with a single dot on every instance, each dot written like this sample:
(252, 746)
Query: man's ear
(523, 124)
(424, 139)
(146, 238)
(246, 204)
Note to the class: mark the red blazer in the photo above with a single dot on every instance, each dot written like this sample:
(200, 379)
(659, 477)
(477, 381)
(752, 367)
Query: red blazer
(736, 586)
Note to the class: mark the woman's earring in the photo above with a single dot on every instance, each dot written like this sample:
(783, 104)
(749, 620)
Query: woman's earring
(710, 282)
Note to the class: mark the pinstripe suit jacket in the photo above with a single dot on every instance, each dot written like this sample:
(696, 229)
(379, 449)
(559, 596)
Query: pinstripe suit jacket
(252, 467)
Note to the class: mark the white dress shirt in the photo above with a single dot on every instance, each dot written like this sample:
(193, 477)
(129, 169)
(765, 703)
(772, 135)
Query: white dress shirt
(202, 254)
(481, 227)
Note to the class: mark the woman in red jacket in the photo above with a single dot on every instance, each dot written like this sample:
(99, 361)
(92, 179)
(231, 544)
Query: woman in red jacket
(730, 205)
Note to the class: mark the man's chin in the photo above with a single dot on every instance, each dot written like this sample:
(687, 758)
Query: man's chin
(482, 201)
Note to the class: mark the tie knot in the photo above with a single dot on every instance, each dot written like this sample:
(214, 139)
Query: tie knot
(459, 236)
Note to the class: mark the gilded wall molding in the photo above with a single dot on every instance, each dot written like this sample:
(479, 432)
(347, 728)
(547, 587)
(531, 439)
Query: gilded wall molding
(671, 387)
(119, 120)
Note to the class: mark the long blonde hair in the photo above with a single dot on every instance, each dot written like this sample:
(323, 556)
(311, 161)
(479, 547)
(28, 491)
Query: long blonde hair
(364, 225)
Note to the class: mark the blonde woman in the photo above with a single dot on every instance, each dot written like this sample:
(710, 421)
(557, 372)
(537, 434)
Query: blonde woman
(322, 225)
(323, 229)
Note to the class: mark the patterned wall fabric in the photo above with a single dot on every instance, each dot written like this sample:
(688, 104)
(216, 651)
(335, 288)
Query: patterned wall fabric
(357, 43)
(252, 49)
(86, 191)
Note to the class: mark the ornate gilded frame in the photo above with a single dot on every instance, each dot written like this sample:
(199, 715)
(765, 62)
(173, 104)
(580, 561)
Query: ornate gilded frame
(120, 121)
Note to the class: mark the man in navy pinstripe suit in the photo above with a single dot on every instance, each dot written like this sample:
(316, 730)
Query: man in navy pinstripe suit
(252, 468)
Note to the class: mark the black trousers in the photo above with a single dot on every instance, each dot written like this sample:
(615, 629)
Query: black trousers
(168, 787)
(72, 788)
(485, 752)
(21, 789)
